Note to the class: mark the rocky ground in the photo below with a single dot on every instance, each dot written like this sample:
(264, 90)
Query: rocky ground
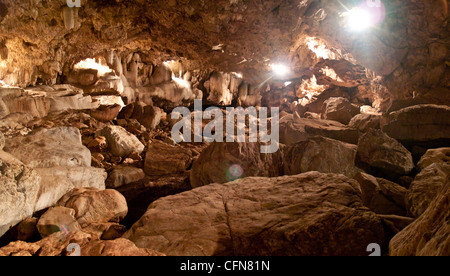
(113, 181)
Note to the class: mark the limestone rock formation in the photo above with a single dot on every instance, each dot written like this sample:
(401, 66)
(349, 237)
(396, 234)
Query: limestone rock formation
(294, 129)
(429, 234)
(19, 187)
(339, 109)
(57, 219)
(124, 175)
(383, 153)
(50, 148)
(440, 155)
(92, 205)
(425, 187)
(121, 142)
(365, 122)
(163, 159)
(432, 121)
(262, 216)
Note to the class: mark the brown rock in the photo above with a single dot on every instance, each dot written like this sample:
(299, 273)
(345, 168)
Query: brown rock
(163, 159)
(425, 187)
(384, 154)
(429, 234)
(92, 205)
(374, 197)
(57, 219)
(308, 214)
(123, 175)
(106, 113)
(364, 122)
(441, 156)
(339, 109)
(225, 162)
(320, 154)
(119, 247)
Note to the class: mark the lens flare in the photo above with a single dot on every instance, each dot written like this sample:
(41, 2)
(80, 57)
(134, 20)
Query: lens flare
(366, 15)
(280, 70)
(235, 172)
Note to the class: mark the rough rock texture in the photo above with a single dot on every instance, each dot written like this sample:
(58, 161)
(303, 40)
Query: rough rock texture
(163, 159)
(262, 216)
(118, 247)
(225, 162)
(441, 156)
(92, 205)
(384, 154)
(320, 154)
(382, 196)
(294, 129)
(429, 234)
(57, 219)
(425, 187)
(54, 147)
(121, 142)
(339, 109)
(58, 181)
(365, 122)
(426, 124)
(2, 141)
(124, 175)
(19, 186)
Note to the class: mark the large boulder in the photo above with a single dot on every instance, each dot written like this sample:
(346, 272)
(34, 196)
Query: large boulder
(93, 205)
(58, 181)
(225, 162)
(339, 109)
(382, 196)
(57, 219)
(364, 122)
(320, 154)
(46, 148)
(308, 214)
(425, 124)
(119, 247)
(383, 154)
(440, 155)
(425, 187)
(19, 186)
(121, 142)
(429, 234)
(123, 175)
(164, 159)
(294, 129)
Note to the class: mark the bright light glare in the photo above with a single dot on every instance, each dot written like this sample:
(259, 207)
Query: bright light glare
(280, 70)
(359, 19)
(90, 63)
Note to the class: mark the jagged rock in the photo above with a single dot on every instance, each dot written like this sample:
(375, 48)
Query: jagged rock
(384, 154)
(123, 175)
(340, 110)
(164, 159)
(58, 181)
(2, 141)
(225, 162)
(320, 154)
(57, 219)
(161, 74)
(364, 122)
(428, 235)
(381, 196)
(19, 186)
(118, 247)
(262, 217)
(218, 87)
(441, 156)
(106, 113)
(92, 205)
(45, 148)
(425, 187)
(294, 129)
(121, 142)
(426, 124)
